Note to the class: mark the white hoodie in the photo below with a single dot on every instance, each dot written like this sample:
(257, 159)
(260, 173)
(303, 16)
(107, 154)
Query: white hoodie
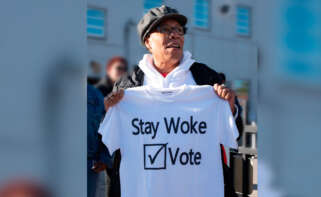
(179, 76)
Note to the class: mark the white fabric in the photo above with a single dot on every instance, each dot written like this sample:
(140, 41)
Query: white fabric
(159, 162)
(179, 76)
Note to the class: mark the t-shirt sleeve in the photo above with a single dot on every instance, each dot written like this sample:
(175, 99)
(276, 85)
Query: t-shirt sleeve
(228, 130)
(110, 130)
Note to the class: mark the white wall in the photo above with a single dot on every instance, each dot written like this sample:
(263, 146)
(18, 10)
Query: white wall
(43, 94)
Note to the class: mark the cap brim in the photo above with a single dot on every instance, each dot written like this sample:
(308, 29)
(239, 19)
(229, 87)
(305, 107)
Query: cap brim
(181, 19)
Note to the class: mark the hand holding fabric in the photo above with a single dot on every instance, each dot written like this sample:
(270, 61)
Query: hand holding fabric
(226, 94)
(113, 99)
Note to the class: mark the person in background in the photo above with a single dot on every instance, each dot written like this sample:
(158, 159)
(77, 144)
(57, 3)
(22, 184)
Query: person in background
(94, 72)
(97, 154)
(115, 69)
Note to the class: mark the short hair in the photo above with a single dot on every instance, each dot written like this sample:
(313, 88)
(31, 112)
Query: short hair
(117, 59)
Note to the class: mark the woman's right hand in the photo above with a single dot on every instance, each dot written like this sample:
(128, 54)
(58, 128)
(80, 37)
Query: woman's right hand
(113, 98)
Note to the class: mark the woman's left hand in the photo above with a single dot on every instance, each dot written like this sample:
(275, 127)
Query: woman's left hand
(226, 94)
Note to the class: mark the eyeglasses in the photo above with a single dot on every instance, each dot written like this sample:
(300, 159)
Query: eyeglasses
(168, 30)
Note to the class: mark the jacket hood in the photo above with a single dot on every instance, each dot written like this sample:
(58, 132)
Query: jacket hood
(176, 77)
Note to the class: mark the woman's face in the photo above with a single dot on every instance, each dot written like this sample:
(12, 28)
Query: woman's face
(167, 41)
(116, 70)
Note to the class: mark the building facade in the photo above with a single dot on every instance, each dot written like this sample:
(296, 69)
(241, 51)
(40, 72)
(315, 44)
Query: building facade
(220, 34)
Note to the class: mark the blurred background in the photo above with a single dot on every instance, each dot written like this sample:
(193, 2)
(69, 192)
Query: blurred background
(268, 50)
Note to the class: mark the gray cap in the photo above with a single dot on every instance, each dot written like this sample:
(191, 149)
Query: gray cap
(155, 16)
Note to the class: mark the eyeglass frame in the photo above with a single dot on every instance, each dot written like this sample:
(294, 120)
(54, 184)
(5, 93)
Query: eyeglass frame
(157, 29)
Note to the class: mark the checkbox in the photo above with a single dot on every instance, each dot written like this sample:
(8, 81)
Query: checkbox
(155, 156)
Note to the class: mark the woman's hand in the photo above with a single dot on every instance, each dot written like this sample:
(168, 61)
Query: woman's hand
(226, 94)
(113, 98)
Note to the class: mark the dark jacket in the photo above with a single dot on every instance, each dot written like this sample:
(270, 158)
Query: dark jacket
(202, 74)
(105, 86)
(96, 150)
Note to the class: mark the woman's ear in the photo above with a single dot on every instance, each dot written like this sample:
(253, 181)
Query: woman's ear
(147, 44)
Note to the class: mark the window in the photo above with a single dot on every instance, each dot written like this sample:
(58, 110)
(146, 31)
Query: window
(148, 4)
(243, 16)
(96, 23)
(201, 14)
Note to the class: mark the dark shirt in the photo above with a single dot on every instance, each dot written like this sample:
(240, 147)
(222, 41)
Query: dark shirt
(105, 86)
(96, 150)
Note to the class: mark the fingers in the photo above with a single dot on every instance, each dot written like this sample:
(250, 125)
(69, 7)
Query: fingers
(215, 87)
(227, 96)
(223, 92)
(120, 95)
(116, 97)
(113, 98)
(218, 89)
(106, 103)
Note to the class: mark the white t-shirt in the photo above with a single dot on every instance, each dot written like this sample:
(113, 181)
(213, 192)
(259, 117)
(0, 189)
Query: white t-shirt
(169, 141)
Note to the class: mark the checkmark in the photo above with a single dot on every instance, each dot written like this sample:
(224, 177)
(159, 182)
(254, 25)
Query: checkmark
(154, 156)
(152, 159)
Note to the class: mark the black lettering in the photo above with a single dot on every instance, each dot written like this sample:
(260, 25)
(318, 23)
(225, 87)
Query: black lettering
(201, 126)
(148, 128)
(155, 129)
(173, 159)
(184, 158)
(181, 158)
(182, 127)
(135, 126)
(172, 124)
(197, 158)
(193, 125)
(141, 123)
(191, 153)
